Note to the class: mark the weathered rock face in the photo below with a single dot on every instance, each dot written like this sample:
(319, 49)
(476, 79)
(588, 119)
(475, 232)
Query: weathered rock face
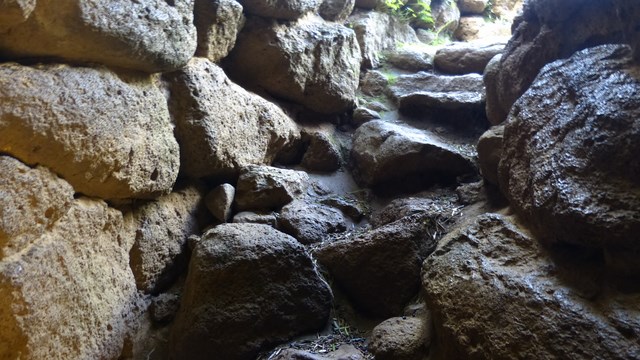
(446, 15)
(546, 31)
(269, 188)
(322, 154)
(107, 134)
(336, 10)
(569, 162)
(161, 230)
(400, 338)
(456, 100)
(280, 9)
(248, 287)
(310, 223)
(495, 293)
(439, 207)
(385, 154)
(472, 6)
(150, 36)
(218, 23)
(72, 294)
(411, 59)
(244, 217)
(13, 12)
(504, 8)
(380, 270)
(492, 107)
(31, 201)
(310, 62)
(222, 127)
(219, 201)
(377, 32)
(466, 58)
(490, 152)
(374, 83)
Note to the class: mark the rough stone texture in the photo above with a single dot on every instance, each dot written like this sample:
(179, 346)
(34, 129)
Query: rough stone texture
(343, 352)
(400, 338)
(280, 9)
(14, 12)
(219, 201)
(546, 31)
(222, 127)
(310, 223)
(255, 218)
(384, 154)
(218, 23)
(457, 100)
(161, 229)
(310, 62)
(495, 293)
(362, 115)
(465, 58)
(31, 201)
(506, 8)
(336, 10)
(472, 6)
(411, 59)
(379, 270)
(492, 107)
(350, 205)
(438, 206)
(569, 162)
(489, 153)
(374, 83)
(71, 295)
(151, 36)
(249, 286)
(377, 32)
(163, 308)
(322, 154)
(446, 15)
(478, 29)
(269, 188)
(107, 134)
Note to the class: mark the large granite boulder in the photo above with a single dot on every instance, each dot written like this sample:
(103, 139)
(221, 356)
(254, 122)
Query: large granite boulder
(108, 134)
(569, 162)
(280, 9)
(472, 6)
(400, 338)
(379, 270)
(377, 32)
(310, 62)
(218, 23)
(466, 58)
(495, 293)
(249, 286)
(150, 36)
(386, 155)
(548, 30)
(446, 15)
(457, 100)
(161, 229)
(222, 127)
(70, 294)
(31, 201)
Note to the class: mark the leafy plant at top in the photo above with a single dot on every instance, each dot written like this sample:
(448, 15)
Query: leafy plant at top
(410, 11)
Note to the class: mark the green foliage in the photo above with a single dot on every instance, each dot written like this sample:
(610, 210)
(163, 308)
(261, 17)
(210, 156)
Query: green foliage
(409, 11)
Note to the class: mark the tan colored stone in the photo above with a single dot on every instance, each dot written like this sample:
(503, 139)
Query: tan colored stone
(280, 9)
(311, 62)
(108, 134)
(150, 35)
(162, 228)
(13, 12)
(31, 201)
(218, 23)
(71, 295)
(222, 127)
